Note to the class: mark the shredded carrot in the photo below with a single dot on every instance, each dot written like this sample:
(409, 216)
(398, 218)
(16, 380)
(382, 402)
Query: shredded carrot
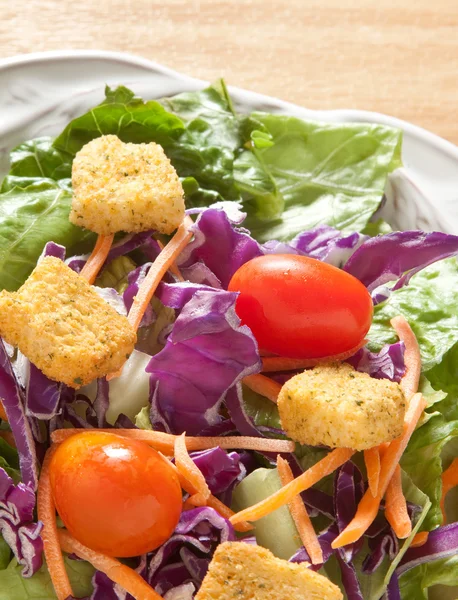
(3, 415)
(191, 472)
(263, 385)
(98, 257)
(420, 539)
(227, 513)
(212, 502)
(449, 481)
(412, 358)
(188, 505)
(300, 516)
(8, 437)
(121, 574)
(396, 506)
(369, 506)
(49, 535)
(282, 363)
(165, 442)
(322, 468)
(372, 461)
(157, 271)
(173, 267)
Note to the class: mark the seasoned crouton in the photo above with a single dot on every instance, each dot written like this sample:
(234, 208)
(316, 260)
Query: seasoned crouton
(245, 572)
(125, 187)
(64, 327)
(336, 406)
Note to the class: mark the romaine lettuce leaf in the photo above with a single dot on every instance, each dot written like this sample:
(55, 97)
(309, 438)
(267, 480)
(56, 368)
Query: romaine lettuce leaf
(30, 217)
(333, 173)
(39, 587)
(5, 554)
(414, 584)
(125, 115)
(430, 304)
(38, 159)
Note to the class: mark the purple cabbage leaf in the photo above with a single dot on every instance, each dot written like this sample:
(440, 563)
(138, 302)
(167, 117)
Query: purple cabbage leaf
(207, 335)
(17, 526)
(398, 256)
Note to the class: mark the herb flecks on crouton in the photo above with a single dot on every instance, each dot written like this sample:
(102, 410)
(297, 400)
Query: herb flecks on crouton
(336, 406)
(125, 187)
(64, 327)
(240, 571)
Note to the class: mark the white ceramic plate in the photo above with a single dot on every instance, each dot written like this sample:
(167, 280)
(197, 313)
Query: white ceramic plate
(41, 93)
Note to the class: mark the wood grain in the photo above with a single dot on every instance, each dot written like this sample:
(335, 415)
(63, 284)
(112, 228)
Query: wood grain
(392, 56)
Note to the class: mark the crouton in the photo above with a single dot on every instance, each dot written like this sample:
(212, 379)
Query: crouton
(336, 406)
(244, 572)
(125, 187)
(64, 327)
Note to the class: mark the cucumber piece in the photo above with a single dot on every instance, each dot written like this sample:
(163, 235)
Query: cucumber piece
(276, 531)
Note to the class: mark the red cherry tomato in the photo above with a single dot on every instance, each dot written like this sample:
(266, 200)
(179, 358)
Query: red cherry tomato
(300, 307)
(117, 496)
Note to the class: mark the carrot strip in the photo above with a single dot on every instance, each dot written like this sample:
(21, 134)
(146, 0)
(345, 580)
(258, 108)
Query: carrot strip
(97, 258)
(283, 363)
(396, 506)
(412, 358)
(325, 466)
(420, 539)
(165, 442)
(3, 415)
(372, 461)
(369, 506)
(300, 516)
(227, 513)
(449, 481)
(212, 502)
(173, 267)
(49, 534)
(191, 472)
(263, 385)
(157, 271)
(121, 574)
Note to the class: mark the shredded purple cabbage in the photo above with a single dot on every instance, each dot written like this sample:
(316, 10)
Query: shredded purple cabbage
(135, 279)
(185, 557)
(17, 504)
(222, 471)
(441, 543)
(398, 256)
(349, 577)
(127, 244)
(348, 491)
(13, 402)
(208, 335)
(386, 364)
(392, 591)
(219, 248)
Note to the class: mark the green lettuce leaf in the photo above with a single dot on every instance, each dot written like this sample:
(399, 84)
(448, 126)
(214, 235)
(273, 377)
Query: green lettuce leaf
(30, 217)
(430, 304)
(125, 115)
(39, 587)
(414, 584)
(5, 554)
(326, 172)
(37, 159)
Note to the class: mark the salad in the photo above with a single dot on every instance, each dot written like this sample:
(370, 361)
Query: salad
(222, 374)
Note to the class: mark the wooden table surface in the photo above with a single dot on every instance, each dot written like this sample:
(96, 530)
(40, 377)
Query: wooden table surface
(399, 57)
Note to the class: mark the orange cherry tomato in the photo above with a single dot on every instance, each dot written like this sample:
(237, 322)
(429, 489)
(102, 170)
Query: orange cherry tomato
(117, 496)
(300, 307)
